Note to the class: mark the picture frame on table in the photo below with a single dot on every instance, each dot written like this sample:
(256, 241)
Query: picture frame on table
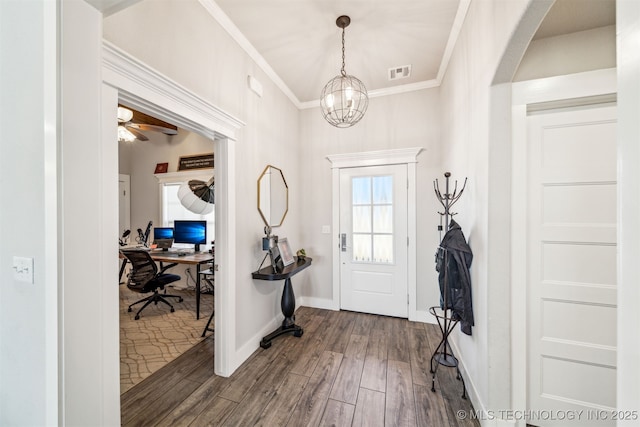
(276, 259)
(285, 251)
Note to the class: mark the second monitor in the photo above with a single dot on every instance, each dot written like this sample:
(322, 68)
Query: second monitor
(190, 231)
(163, 237)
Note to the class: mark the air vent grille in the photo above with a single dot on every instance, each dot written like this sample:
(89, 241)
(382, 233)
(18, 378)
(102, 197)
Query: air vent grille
(401, 72)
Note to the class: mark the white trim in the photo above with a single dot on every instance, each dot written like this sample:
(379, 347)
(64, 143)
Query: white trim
(423, 316)
(53, 325)
(225, 22)
(143, 88)
(579, 85)
(184, 176)
(456, 28)
(573, 86)
(375, 158)
(315, 302)
(408, 156)
(394, 90)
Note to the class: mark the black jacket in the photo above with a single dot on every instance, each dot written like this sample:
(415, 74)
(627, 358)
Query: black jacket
(455, 253)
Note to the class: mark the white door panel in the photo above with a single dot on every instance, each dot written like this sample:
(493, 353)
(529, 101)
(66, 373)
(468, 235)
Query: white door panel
(572, 263)
(373, 229)
(124, 203)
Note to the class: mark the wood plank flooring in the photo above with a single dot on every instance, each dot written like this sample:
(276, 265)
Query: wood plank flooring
(348, 369)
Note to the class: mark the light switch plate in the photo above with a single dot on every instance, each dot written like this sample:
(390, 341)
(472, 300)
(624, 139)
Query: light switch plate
(23, 269)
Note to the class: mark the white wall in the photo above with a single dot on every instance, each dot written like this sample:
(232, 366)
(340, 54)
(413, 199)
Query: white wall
(54, 353)
(568, 54)
(400, 121)
(628, 36)
(28, 326)
(161, 33)
(474, 115)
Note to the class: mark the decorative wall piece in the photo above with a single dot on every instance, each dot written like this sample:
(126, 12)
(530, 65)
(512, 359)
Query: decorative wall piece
(198, 161)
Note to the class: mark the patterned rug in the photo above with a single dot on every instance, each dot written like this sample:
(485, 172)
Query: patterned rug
(159, 336)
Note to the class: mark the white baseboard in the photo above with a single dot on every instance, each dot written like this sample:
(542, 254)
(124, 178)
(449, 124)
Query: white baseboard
(472, 391)
(314, 302)
(425, 317)
(485, 417)
(253, 343)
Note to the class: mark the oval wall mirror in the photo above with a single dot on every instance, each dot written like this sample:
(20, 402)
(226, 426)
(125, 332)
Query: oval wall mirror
(273, 196)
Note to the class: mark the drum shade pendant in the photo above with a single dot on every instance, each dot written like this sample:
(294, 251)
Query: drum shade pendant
(344, 99)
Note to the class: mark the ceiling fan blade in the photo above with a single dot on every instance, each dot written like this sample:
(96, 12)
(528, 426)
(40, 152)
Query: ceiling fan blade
(139, 135)
(155, 128)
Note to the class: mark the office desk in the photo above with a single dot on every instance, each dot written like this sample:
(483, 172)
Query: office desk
(196, 259)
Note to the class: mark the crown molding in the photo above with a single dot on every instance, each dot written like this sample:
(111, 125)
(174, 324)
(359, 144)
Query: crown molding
(395, 90)
(218, 14)
(456, 28)
(146, 89)
(225, 22)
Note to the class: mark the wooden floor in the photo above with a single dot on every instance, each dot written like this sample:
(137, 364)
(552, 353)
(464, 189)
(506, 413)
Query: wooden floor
(347, 369)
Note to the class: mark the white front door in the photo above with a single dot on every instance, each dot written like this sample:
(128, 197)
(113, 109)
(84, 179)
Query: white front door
(572, 266)
(373, 240)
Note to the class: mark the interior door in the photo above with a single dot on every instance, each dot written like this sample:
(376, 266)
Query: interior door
(373, 239)
(124, 203)
(572, 264)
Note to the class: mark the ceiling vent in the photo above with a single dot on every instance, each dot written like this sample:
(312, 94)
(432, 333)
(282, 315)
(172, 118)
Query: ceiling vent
(402, 72)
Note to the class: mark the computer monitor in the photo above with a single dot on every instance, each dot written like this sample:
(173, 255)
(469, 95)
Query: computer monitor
(190, 231)
(163, 237)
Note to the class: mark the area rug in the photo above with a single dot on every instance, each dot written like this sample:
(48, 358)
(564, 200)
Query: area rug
(159, 336)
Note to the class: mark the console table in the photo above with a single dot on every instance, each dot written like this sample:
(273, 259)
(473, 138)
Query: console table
(288, 302)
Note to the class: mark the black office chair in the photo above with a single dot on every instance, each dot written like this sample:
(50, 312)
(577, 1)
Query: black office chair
(145, 277)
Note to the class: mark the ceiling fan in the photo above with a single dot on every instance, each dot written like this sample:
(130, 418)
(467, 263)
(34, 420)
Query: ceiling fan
(132, 122)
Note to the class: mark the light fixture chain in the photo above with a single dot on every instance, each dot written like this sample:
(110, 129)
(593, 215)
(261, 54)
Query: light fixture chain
(344, 73)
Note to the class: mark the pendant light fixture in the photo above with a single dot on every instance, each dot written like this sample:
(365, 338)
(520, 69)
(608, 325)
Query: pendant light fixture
(344, 99)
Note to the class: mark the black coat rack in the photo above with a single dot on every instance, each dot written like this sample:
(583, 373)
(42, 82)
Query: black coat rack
(443, 354)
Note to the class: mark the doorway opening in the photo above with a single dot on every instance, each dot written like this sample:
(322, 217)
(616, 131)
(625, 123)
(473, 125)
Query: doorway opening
(159, 334)
(131, 82)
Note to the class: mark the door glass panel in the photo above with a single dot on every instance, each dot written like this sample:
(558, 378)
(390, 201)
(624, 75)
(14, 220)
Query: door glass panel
(362, 219)
(362, 247)
(372, 219)
(383, 219)
(383, 248)
(382, 189)
(361, 190)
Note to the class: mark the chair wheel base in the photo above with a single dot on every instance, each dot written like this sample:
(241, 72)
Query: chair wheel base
(172, 310)
(180, 300)
(137, 317)
(129, 310)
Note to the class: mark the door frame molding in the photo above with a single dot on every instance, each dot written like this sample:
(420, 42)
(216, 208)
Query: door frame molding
(527, 95)
(407, 156)
(144, 88)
